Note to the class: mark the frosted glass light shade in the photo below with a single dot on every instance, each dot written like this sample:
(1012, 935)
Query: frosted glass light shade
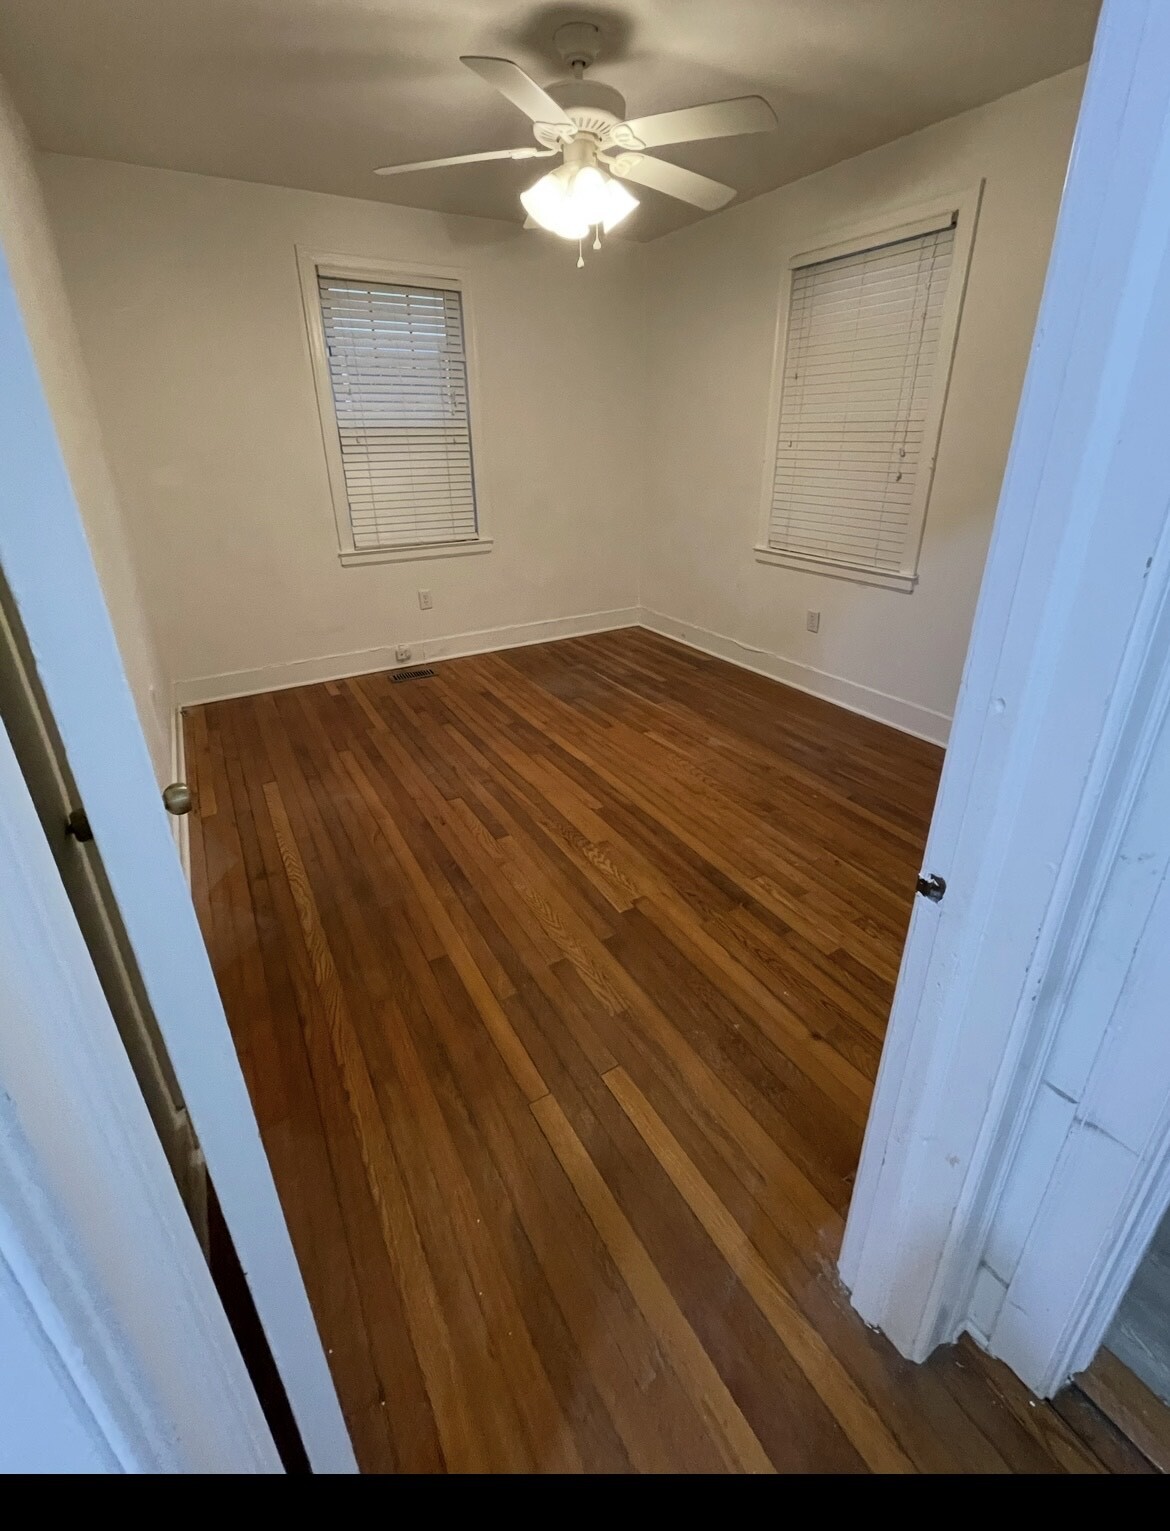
(570, 202)
(548, 203)
(587, 194)
(618, 204)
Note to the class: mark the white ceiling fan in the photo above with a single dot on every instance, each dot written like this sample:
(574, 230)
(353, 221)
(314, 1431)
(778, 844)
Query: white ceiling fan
(585, 121)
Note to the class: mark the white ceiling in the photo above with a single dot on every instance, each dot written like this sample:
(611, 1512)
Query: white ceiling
(315, 93)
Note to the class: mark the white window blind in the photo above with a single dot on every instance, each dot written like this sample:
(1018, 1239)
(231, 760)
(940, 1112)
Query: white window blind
(398, 372)
(861, 360)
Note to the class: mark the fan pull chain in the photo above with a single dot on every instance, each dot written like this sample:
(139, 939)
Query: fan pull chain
(580, 257)
(597, 236)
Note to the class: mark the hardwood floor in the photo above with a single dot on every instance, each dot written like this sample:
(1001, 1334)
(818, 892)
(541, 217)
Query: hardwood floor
(559, 982)
(1124, 1397)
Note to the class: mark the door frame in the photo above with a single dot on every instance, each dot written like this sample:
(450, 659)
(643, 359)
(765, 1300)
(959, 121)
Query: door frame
(50, 575)
(1099, 1181)
(1031, 780)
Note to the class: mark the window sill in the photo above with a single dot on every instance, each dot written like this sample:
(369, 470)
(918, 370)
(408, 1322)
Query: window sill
(859, 576)
(419, 550)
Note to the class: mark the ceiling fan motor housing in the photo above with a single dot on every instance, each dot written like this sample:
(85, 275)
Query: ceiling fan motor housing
(592, 105)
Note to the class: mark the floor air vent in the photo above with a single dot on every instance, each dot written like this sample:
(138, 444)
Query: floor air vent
(409, 675)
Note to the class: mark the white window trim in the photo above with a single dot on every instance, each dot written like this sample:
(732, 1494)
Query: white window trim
(902, 223)
(358, 268)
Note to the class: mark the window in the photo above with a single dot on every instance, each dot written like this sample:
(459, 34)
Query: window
(867, 344)
(392, 382)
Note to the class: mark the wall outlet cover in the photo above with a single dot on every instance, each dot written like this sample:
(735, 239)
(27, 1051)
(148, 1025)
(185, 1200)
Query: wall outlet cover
(401, 652)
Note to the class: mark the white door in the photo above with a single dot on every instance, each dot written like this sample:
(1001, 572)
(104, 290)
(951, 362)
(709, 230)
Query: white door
(115, 1351)
(57, 601)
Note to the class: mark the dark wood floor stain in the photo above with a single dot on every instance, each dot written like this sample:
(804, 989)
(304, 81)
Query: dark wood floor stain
(559, 981)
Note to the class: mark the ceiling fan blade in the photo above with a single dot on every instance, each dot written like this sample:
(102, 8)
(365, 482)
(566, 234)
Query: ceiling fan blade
(720, 119)
(527, 152)
(521, 90)
(659, 175)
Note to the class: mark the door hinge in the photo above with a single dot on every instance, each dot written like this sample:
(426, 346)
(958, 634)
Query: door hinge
(932, 887)
(77, 825)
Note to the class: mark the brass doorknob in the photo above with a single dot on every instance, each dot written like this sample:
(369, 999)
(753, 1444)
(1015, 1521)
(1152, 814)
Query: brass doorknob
(178, 798)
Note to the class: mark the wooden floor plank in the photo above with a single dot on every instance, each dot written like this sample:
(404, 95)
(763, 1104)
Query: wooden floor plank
(1108, 1443)
(491, 1329)
(310, 1158)
(852, 1410)
(1129, 1403)
(785, 1413)
(738, 1446)
(579, 1404)
(618, 1354)
(559, 981)
(463, 1444)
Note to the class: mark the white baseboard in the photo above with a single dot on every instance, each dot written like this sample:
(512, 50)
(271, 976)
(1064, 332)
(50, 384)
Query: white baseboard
(907, 717)
(305, 672)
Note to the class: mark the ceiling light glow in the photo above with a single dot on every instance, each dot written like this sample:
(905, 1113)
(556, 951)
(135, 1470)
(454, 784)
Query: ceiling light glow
(570, 201)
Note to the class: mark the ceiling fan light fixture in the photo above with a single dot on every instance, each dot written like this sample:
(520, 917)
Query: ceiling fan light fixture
(570, 201)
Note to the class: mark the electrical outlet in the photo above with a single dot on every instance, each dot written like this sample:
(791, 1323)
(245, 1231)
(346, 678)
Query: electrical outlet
(401, 653)
(812, 621)
(424, 600)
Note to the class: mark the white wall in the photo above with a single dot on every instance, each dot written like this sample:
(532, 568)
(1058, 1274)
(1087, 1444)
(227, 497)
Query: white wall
(713, 302)
(187, 299)
(28, 248)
